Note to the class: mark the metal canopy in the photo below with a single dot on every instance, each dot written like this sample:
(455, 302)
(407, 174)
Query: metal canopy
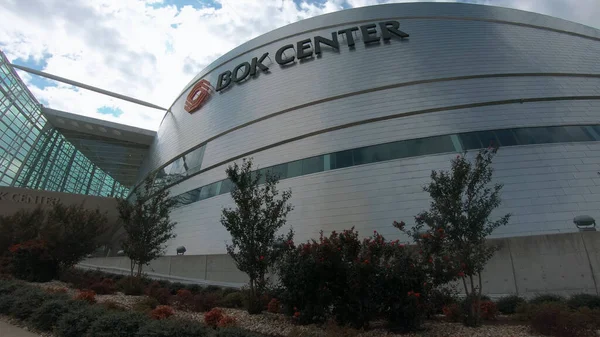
(115, 148)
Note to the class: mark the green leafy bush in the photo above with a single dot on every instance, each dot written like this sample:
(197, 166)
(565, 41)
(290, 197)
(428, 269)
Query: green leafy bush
(174, 287)
(508, 304)
(27, 301)
(76, 322)
(8, 287)
(194, 288)
(584, 300)
(47, 315)
(146, 305)
(131, 286)
(172, 327)
(117, 324)
(440, 298)
(232, 300)
(6, 303)
(539, 299)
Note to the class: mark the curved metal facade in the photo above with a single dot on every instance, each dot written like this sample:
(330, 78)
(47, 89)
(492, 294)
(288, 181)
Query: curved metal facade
(464, 68)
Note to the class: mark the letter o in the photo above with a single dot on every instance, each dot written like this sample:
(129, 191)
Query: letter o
(246, 66)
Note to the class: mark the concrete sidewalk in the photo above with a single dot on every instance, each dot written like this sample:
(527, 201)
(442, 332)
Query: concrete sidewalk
(7, 330)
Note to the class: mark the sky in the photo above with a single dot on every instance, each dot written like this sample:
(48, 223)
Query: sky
(151, 49)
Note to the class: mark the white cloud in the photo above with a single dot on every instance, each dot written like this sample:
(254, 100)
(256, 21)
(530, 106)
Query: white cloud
(150, 51)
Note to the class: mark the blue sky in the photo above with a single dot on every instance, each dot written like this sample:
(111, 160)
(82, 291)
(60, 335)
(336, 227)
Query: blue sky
(141, 48)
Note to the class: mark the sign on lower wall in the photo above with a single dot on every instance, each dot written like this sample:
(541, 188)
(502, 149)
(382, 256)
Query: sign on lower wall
(28, 198)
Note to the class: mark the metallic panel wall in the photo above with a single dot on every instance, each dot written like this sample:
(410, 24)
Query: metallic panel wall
(463, 68)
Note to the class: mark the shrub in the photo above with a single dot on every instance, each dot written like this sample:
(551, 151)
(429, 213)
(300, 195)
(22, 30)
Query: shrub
(6, 303)
(147, 304)
(226, 321)
(194, 288)
(57, 290)
(489, 311)
(47, 315)
(440, 298)
(8, 287)
(162, 312)
(161, 294)
(117, 324)
(453, 312)
(112, 305)
(174, 287)
(86, 295)
(508, 304)
(233, 300)
(555, 319)
(274, 306)
(76, 323)
(205, 302)
(171, 328)
(524, 311)
(31, 261)
(539, 299)
(184, 299)
(212, 318)
(211, 289)
(227, 291)
(106, 287)
(27, 301)
(131, 285)
(584, 300)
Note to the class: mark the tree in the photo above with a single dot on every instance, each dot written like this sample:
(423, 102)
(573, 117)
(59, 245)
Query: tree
(451, 235)
(147, 225)
(41, 242)
(253, 225)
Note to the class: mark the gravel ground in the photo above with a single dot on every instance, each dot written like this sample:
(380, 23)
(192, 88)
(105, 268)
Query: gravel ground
(279, 325)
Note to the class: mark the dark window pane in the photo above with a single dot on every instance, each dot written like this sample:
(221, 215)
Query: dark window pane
(487, 138)
(470, 141)
(204, 193)
(312, 165)
(506, 137)
(433, 145)
(341, 159)
(540, 135)
(226, 186)
(211, 190)
(295, 168)
(263, 175)
(280, 171)
(523, 136)
(578, 134)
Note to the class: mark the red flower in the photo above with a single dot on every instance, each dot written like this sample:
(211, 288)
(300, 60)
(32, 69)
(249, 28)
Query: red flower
(410, 293)
(430, 260)
(366, 261)
(440, 230)
(261, 258)
(417, 295)
(461, 274)
(424, 284)
(297, 314)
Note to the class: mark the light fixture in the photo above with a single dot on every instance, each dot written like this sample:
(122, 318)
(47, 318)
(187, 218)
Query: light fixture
(585, 223)
(181, 250)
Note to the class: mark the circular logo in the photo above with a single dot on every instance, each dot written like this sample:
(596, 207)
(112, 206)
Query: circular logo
(199, 94)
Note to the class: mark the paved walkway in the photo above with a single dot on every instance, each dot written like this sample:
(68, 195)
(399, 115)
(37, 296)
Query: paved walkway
(7, 330)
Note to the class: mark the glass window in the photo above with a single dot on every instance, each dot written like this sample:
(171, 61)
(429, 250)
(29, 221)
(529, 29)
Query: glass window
(226, 186)
(193, 160)
(312, 165)
(438, 144)
(204, 192)
(470, 141)
(506, 137)
(578, 134)
(295, 169)
(541, 135)
(523, 136)
(341, 159)
(280, 171)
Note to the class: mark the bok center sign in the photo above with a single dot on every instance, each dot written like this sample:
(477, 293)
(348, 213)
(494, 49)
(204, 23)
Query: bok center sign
(371, 33)
(307, 47)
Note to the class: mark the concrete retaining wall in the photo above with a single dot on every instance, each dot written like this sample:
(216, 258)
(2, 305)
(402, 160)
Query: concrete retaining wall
(560, 263)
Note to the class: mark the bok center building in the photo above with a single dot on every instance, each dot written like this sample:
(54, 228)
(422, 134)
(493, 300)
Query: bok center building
(354, 109)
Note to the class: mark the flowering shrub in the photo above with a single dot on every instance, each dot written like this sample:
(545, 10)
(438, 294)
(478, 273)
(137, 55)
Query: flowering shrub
(489, 311)
(86, 295)
(156, 291)
(56, 290)
(162, 312)
(106, 287)
(452, 312)
(226, 321)
(273, 306)
(213, 317)
(31, 261)
(352, 281)
(205, 302)
(184, 299)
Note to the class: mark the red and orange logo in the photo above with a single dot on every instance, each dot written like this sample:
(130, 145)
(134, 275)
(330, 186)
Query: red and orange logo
(199, 94)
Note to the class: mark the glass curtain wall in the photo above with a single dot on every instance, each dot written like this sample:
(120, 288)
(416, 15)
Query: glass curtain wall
(34, 155)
